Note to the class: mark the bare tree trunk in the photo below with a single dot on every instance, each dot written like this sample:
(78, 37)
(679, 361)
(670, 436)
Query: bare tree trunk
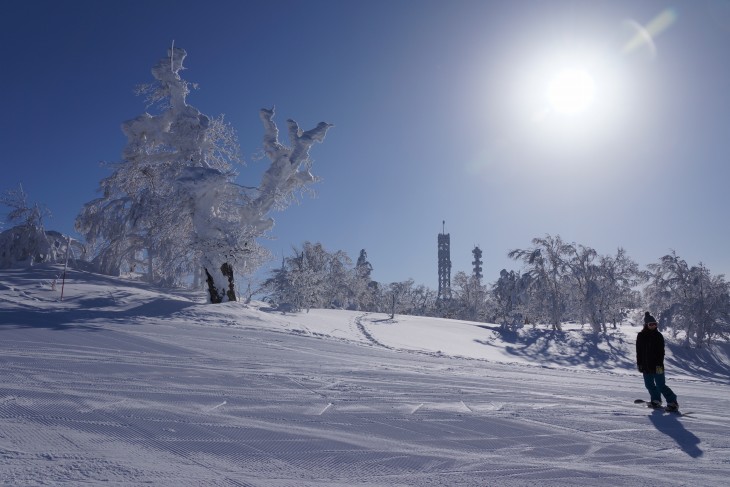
(227, 270)
(217, 295)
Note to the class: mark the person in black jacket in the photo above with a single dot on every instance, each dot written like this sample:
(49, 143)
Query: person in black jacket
(650, 362)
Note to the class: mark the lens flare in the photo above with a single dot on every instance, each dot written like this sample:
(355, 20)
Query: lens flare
(644, 36)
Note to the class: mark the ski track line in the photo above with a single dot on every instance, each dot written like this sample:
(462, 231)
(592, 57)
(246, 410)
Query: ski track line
(320, 394)
(370, 338)
(579, 462)
(326, 408)
(596, 434)
(217, 406)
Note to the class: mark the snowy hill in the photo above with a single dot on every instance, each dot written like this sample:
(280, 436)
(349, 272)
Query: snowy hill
(120, 384)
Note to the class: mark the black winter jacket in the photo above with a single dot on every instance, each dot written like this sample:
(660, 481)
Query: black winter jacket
(649, 350)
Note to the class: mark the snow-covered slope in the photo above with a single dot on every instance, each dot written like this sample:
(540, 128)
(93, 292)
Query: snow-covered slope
(119, 384)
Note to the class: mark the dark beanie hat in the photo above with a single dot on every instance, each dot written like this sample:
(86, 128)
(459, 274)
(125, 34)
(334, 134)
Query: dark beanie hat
(648, 318)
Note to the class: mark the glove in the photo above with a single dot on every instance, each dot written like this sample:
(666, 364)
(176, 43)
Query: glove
(659, 369)
(640, 368)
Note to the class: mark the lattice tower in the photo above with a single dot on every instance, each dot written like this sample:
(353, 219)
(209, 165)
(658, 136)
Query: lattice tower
(444, 261)
(477, 262)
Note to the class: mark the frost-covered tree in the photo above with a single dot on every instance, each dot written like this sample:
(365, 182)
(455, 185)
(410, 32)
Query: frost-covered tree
(689, 299)
(172, 201)
(363, 268)
(312, 278)
(602, 286)
(27, 240)
(137, 221)
(616, 281)
(469, 297)
(278, 286)
(397, 297)
(340, 278)
(363, 287)
(510, 297)
(546, 265)
(405, 297)
(23, 212)
(422, 301)
(574, 281)
(581, 272)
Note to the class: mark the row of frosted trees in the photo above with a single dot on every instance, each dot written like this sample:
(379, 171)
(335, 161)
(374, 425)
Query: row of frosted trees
(559, 282)
(564, 281)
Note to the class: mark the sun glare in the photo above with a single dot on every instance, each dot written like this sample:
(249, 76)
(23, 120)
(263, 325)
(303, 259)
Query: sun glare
(571, 91)
(570, 95)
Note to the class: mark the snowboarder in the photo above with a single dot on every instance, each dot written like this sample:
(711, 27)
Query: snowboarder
(650, 362)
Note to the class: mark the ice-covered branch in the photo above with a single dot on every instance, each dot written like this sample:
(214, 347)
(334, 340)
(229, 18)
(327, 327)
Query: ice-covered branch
(289, 168)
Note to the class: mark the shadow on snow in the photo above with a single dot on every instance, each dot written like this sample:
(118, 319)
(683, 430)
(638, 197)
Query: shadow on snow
(63, 319)
(672, 426)
(563, 348)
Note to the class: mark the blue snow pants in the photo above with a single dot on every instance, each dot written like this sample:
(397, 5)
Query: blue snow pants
(656, 385)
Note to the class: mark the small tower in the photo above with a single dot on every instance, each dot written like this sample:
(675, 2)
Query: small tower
(444, 256)
(477, 263)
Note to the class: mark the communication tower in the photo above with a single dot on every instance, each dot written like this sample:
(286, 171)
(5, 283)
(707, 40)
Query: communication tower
(477, 262)
(444, 256)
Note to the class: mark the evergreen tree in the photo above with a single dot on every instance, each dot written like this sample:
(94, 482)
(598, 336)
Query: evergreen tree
(363, 287)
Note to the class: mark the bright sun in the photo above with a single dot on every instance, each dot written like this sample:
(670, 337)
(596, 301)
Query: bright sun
(571, 91)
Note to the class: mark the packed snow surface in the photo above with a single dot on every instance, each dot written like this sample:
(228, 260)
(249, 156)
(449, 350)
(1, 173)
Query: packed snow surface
(120, 384)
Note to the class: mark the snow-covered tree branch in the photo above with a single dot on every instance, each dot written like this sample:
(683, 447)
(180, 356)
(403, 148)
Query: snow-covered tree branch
(27, 240)
(689, 299)
(173, 201)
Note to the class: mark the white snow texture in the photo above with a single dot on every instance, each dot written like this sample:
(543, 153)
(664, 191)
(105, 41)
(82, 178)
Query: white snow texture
(120, 384)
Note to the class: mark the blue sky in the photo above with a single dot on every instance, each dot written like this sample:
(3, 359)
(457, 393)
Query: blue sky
(440, 113)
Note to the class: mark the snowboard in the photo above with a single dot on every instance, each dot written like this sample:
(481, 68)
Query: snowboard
(662, 408)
